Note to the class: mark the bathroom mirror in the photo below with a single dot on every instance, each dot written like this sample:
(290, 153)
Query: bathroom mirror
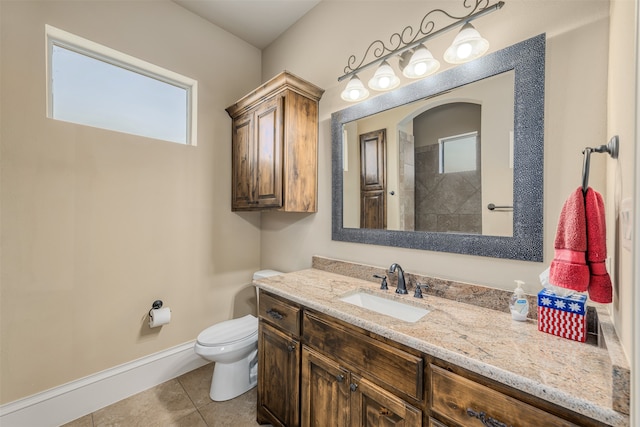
(474, 133)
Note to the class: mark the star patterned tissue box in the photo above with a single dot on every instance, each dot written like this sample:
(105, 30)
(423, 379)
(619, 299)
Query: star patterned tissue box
(563, 316)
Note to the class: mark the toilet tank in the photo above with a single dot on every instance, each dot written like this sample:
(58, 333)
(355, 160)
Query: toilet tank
(262, 274)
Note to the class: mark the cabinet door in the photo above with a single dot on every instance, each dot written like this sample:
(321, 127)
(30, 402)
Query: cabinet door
(241, 158)
(278, 377)
(268, 153)
(325, 391)
(373, 406)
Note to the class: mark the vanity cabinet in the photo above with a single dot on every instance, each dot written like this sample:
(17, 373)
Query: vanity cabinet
(333, 396)
(468, 403)
(350, 379)
(278, 362)
(317, 370)
(325, 391)
(435, 423)
(372, 406)
(457, 400)
(275, 146)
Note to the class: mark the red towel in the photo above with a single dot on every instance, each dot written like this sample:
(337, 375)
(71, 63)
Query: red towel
(600, 289)
(581, 248)
(569, 267)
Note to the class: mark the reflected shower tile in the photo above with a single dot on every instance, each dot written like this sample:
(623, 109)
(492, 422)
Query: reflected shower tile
(448, 223)
(470, 224)
(426, 222)
(472, 205)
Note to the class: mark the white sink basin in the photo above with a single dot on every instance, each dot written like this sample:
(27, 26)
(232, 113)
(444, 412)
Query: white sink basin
(387, 306)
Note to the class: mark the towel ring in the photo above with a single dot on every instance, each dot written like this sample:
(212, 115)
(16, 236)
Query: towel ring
(612, 147)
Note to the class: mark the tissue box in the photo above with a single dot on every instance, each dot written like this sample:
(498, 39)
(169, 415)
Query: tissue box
(563, 316)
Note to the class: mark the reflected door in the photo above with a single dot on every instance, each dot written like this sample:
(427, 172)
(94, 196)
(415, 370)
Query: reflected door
(373, 202)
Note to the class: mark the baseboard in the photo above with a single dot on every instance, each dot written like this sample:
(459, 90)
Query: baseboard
(73, 400)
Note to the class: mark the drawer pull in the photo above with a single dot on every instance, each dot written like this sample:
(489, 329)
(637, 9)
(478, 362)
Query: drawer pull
(274, 314)
(353, 387)
(340, 378)
(487, 421)
(291, 348)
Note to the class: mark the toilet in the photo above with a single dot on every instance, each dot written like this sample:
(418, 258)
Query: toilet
(233, 346)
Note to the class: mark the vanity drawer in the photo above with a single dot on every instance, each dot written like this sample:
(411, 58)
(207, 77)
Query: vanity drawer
(467, 403)
(389, 367)
(282, 314)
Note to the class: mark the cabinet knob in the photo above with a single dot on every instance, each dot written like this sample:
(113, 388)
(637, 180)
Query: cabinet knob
(353, 387)
(291, 348)
(340, 378)
(486, 421)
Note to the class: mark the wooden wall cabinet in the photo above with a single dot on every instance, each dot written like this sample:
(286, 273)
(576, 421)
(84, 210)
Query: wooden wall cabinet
(275, 146)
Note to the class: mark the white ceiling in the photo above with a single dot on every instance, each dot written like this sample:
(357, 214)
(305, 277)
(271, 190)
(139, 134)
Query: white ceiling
(258, 22)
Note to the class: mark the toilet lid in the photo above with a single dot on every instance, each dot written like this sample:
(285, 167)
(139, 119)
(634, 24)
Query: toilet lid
(229, 331)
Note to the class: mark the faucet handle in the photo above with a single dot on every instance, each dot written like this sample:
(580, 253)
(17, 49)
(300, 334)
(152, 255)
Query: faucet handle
(418, 292)
(383, 284)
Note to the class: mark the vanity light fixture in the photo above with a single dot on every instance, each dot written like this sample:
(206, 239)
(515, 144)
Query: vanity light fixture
(384, 78)
(467, 46)
(416, 61)
(355, 90)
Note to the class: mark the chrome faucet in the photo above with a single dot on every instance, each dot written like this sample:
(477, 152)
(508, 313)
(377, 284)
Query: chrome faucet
(402, 287)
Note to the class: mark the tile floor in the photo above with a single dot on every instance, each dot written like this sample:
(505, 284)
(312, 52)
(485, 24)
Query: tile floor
(181, 402)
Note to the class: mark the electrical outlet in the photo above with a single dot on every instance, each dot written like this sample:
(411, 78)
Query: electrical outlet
(626, 222)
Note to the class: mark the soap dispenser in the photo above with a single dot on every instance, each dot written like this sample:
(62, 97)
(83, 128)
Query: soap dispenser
(518, 304)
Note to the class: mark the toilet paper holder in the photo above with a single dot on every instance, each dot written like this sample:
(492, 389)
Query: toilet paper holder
(156, 305)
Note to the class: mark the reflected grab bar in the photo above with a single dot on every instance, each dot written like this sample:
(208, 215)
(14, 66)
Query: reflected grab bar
(493, 207)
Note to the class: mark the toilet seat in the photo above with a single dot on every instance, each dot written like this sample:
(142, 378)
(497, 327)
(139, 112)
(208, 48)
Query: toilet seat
(229, 331)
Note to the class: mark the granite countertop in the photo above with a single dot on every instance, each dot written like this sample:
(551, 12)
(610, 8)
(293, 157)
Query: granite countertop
(573, 375)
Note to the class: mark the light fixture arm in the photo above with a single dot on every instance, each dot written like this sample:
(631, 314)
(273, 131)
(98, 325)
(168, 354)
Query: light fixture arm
(378, 48)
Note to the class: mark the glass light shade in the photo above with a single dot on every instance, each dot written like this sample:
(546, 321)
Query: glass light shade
(468, 45)
(421, 64)
(355, 90)
(384, 78)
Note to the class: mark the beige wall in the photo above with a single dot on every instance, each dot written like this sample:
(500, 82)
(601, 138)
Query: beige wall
(575, 117)
(622, 120)
(96, 225)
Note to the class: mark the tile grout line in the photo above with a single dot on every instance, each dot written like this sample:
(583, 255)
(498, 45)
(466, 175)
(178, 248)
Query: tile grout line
(195, 407)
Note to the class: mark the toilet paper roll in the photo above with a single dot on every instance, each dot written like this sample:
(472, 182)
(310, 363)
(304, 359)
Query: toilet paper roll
(159, 317)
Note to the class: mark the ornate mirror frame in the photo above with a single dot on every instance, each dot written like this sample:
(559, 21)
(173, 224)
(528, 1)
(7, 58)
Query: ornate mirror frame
(527, 59)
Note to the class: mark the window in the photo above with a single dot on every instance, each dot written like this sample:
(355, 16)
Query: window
(93, 85)
(458, 153)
